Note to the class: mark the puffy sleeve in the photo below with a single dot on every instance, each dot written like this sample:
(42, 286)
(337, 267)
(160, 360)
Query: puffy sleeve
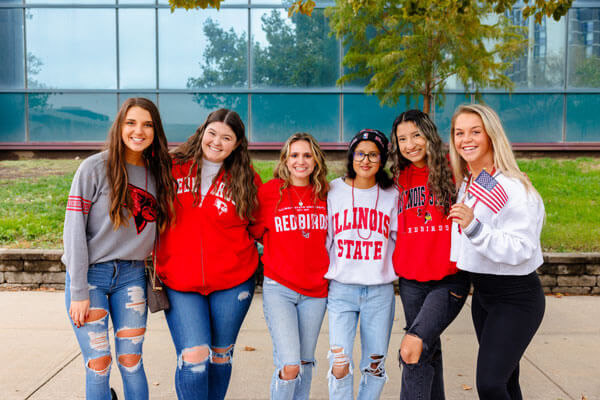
(512, 236)
(82, 196)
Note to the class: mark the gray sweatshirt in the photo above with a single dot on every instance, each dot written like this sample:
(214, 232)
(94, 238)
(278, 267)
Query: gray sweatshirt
(89, 236)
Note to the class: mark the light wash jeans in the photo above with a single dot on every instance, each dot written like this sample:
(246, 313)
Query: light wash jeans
(374, 304)
(119, 289)
(213, 321)
(294, 322)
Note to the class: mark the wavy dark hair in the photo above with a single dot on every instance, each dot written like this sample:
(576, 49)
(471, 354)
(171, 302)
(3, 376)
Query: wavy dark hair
(381, 177)
(439, 181)
(156, 159)
(239, 175)
(318, 178)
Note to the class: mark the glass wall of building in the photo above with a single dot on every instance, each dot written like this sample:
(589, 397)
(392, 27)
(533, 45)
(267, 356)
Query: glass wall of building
(67, 65)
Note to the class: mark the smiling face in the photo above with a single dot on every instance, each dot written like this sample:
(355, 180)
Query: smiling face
(412, 143)
(472, 142)
(366, 169)
(218, 142)
(137, 132)
(300, 163)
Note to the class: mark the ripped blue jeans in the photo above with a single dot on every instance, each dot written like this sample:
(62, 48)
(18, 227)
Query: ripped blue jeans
(118, 289)
(294, 322)
(374, 304)
(204, 330)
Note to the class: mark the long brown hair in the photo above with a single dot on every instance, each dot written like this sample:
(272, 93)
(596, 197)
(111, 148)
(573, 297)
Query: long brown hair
(157, 160)
(239, 175)
(439, 181)
(318, 177)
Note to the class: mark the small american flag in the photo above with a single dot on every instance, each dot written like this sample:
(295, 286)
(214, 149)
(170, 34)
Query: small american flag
(487, 190)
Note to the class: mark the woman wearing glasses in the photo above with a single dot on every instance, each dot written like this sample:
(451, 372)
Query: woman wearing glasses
(362, 209)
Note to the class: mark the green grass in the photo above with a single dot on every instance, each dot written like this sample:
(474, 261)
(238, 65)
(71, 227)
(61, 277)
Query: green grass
(32, 211)
(34, 193)
(571, 193)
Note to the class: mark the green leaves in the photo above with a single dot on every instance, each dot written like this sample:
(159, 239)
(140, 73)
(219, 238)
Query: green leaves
(305, 7)
(414, 46)
(193, 4)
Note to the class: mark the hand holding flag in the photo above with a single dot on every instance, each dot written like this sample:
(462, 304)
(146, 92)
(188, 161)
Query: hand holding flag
(489, 191)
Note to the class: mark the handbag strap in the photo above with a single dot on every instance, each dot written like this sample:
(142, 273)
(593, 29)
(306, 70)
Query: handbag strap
(152, 268)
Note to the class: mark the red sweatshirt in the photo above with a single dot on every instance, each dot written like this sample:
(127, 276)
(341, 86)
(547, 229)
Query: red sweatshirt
(209, 247)
(423, 246)
(290, 258)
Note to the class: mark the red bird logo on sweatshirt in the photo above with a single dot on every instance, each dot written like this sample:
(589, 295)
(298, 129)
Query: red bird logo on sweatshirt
(144, 207)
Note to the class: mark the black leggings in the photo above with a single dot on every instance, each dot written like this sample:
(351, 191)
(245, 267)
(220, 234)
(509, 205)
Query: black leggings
(507, 311)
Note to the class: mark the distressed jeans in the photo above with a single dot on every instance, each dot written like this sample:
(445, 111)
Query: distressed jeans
(116, 289)
(375, 306)
(429, 307)
(294, 321)
(212, 322)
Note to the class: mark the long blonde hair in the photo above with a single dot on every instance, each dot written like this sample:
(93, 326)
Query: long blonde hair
(318, 177)
(504, 158)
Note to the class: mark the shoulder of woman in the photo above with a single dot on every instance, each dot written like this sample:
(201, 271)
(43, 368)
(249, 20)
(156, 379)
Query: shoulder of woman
(270, 186)
(95, 163)
(509, 184)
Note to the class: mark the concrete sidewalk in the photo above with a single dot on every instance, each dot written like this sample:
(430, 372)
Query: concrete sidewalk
(41, 359)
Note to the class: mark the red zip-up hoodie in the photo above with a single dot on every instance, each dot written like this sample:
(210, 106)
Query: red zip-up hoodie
(209, 247)
(294, 237)
(422, 250)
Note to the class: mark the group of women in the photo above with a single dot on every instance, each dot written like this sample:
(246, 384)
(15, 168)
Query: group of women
(439, 223)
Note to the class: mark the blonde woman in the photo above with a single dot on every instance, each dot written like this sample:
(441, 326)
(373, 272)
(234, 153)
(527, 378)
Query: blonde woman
(496, 237)
(292, 222)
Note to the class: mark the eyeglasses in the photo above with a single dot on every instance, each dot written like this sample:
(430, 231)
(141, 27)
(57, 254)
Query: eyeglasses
(372, 156)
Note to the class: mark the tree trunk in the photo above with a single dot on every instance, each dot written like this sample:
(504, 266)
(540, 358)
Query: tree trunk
(427, 103)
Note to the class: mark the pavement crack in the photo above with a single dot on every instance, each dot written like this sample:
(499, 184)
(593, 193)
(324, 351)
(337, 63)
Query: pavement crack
(58, 370)
(549, 378)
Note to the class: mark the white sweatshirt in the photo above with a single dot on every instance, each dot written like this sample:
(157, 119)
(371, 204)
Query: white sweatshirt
(361, 242)
(506, 243)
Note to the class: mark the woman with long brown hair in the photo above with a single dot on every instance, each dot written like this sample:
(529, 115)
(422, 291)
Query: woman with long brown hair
(432, 289)
(207, 258)
(119, 199)
(292, 223)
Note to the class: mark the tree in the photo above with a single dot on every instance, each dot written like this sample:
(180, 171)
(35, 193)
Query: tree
(36, 101)
(297, 53)
(413, 47)
(586, 73)
(537, 8)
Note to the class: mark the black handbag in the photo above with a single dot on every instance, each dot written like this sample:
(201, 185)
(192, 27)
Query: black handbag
(155, 289)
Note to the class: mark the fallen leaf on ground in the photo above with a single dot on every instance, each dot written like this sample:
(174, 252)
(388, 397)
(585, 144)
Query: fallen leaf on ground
(249, 348)
(466, 387)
